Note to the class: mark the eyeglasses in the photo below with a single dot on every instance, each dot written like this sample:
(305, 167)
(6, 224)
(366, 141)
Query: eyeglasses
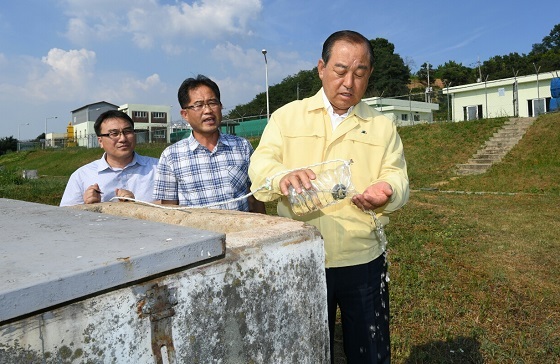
(212, 104)
(115, 134)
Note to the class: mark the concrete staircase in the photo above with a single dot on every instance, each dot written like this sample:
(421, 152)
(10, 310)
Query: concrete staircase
(494, 149)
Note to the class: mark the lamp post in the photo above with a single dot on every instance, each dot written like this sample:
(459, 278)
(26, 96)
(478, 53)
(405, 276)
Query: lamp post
(18, 129)
(18, 137)
(266, 80)
(46, 119)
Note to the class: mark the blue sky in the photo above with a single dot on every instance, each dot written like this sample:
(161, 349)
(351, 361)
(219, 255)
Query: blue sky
(58, 55)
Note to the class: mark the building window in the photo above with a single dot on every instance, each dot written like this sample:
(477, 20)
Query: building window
(404, 117)
(472, 112)
(140, 114)
(536, 107)
(159, 117)
(416, 117)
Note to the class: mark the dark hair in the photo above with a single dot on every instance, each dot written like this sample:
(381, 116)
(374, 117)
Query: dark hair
(192, 83)
(349, 36)
(111, 114)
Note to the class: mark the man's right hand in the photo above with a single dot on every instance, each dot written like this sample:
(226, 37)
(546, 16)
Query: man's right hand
(92, 194)
(300, 179)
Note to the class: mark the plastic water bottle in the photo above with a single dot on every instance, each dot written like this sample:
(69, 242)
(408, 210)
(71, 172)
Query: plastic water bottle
(329, 187)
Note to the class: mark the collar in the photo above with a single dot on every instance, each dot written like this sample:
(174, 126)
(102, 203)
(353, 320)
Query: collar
(192, 143)
(330, 109)
(103, 165)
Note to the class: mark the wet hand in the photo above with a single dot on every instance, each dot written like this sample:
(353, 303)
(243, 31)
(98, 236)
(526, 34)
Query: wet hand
(300, 180)
(374, 196)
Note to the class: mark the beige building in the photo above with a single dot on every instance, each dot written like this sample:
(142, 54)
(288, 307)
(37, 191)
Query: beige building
(522, 96)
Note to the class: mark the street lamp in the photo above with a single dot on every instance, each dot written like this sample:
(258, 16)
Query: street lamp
(266, 80)
(18, 137)
(18, 129)
(46, 119)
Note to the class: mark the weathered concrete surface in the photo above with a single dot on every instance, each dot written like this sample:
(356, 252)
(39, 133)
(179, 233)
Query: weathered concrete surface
(51, 255)
(263, 303)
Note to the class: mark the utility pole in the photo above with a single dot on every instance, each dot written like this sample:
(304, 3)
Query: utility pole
(447, 86)
(486, 95)
(479, 70)
(428, 89)
(538, 93)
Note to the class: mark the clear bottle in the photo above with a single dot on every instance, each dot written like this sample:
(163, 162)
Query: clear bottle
(329, 187)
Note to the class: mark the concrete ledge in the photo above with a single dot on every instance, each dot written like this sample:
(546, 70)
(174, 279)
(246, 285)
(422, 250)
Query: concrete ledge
(264, 302)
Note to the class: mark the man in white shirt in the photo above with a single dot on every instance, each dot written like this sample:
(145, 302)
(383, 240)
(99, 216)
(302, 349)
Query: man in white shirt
(120, 172)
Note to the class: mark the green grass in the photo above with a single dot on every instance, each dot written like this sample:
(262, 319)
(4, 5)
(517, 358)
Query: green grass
(475, 277)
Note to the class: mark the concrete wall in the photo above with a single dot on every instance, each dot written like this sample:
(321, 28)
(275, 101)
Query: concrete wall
(263, 302)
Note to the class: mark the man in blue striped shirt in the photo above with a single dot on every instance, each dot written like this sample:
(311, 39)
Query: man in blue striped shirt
(208, 169)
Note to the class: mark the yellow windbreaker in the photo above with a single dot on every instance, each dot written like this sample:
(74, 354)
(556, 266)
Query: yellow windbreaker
(300, 134)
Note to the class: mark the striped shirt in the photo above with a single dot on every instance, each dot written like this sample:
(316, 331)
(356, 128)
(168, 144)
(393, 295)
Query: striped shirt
(191, 174)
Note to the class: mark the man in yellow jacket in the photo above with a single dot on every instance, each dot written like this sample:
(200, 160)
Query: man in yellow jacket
(335, 125)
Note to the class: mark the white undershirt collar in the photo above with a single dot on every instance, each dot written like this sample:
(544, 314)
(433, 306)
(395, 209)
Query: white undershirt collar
(336, 119)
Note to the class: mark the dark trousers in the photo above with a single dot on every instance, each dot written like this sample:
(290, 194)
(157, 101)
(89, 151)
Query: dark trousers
(362, 294)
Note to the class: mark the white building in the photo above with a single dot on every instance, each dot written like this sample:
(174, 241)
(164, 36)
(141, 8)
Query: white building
(55, 140)
(403, 112)
(83, 119)
(522, 96)
(155, 120)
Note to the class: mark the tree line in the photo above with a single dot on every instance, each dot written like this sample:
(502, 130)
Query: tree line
(393, 76)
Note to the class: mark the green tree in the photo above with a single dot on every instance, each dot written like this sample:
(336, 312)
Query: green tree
(303, 84)
(455, 74)
(549, 42)
(390, 74)
(422, 74)
(510, 65)
(8, 144)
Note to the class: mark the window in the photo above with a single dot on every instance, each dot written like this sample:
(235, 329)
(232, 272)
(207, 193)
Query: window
(404, 117)
(472, 112)
(416, 117)
(160, 133)
(536, 107)
(159, 117)
(140, 114)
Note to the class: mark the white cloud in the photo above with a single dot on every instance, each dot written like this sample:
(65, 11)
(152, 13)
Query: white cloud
(70, 76)
(148, 23)
(63, 74)
(127, 89)
(57, 76)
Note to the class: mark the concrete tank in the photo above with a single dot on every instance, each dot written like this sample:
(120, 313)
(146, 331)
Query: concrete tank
(127, 283)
